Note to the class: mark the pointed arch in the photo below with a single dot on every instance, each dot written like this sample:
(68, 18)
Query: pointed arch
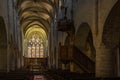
(84, 39)
(111, 29)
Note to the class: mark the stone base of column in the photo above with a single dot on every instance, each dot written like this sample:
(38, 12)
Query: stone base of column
(105, 65)
(63, 67)
(71, 67)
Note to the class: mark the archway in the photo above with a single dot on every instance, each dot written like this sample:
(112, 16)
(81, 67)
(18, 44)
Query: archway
(3, 46)
(84, 40)
(111, 38)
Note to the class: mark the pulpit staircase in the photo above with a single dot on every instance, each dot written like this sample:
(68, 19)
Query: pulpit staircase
(73, 54)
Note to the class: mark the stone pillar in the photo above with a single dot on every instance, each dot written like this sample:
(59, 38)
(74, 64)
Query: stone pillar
(63, 66)
(8, 60)
(13, 62)
(49, 53)
(57, 55)
(71, 66)
(18, 61)
(3, 60)
(118, 62)
(105, 62)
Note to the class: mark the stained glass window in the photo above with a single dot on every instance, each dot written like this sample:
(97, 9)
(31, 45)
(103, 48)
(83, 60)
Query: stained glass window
(29, 51)
(37, 51)
(33, 51)
(35, 47)
(41, 51)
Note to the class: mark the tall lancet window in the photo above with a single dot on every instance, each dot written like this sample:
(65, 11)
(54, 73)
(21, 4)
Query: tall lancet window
(35, 47)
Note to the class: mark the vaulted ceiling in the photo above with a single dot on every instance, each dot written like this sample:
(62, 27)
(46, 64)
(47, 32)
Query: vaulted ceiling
(36, 12)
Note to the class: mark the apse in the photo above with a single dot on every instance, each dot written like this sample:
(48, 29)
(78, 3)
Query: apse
(35, 43)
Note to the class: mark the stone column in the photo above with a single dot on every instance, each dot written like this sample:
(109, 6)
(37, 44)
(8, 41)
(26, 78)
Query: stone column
(118, 62)
(105, 62)
(71, 66)
(63, 66)
(49, 52)
(3, 60)
(57, 58)
(18, 63)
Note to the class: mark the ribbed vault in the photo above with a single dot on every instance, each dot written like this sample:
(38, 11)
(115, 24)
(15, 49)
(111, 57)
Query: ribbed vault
(36, 12)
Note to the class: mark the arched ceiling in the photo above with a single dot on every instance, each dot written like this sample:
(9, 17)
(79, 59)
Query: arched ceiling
(36, 29)
(36, 12)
